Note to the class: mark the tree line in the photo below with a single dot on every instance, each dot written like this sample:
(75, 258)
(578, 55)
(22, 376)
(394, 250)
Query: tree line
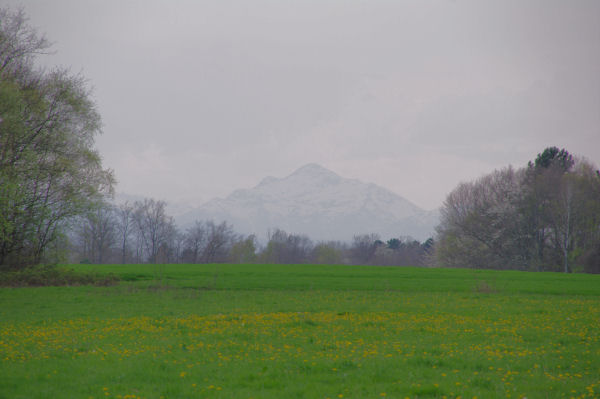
(142, 232)
(542, 217)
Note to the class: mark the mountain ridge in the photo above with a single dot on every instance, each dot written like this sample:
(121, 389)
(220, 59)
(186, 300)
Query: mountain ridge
(317, 202)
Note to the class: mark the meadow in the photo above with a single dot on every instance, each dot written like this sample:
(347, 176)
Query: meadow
(303, 331)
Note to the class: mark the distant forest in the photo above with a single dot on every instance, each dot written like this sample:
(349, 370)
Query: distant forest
(543, 217)
(142, 232)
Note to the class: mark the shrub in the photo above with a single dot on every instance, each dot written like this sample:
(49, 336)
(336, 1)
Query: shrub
(51, 275)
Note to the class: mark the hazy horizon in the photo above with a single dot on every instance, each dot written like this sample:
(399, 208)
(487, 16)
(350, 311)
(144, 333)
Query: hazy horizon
(201, 201)
(199, 99)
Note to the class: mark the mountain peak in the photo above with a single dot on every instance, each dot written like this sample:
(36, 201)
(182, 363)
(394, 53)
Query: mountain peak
(316, 201)
(268, 180)
(314, 170)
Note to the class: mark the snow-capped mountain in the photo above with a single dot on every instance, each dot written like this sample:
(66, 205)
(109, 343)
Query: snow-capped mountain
(317, 202)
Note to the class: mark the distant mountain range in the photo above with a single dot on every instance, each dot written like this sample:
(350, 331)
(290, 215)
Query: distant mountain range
(319, 203)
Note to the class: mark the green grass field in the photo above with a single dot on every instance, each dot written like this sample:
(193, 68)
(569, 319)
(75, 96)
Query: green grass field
(278, 331)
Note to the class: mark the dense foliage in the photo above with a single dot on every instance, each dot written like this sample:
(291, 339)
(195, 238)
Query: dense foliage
(49, 169)
(544, 217)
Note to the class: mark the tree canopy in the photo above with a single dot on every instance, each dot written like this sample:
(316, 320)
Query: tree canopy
(50, 171)
(543, 217)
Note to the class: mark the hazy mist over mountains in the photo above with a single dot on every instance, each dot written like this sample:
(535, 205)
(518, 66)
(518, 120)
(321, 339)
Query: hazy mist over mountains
(397, 93)
(313, 201)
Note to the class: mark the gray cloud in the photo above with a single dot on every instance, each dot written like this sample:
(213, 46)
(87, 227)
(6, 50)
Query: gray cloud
(201, 97)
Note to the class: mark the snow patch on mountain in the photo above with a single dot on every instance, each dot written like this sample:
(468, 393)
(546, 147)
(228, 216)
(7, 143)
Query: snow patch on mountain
(319, 203)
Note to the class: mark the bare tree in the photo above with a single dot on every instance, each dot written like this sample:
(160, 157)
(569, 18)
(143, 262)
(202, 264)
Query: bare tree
(177, 246)
(19, 43)
(588, 232)
(219, 238)
(362, 250)
(195, 240)
(154, 227)
(97, 234)
(563, 219)
(574, 212)
(124, 220)
(287, 248)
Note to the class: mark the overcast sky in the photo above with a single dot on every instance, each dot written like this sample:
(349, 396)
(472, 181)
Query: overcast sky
(199, 98)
